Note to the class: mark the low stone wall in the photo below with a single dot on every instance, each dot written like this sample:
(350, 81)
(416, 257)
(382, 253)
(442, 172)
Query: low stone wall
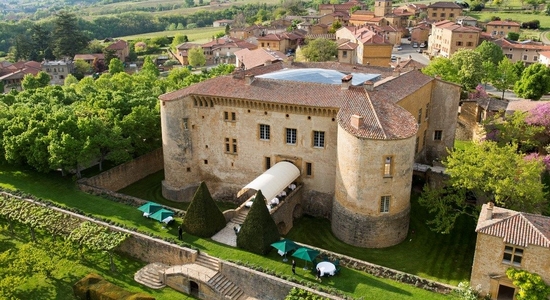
(152, 250)
(288, 209)
(127, 173)
(272, 288)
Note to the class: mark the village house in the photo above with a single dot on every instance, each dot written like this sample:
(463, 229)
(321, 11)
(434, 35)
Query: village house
(182, 52)
(544, 58)
(120, 48)
(373, 48)
(351, 132)
(248, 32)
(421, 32)
(11, 75)
(222, 23)
(222, 50)
(447, 37)
(249, 59)
(445, 10)
(509, 239)
(89, 58)
(280, 42)
(466, 21)
(500, 29)
(473, 113)
(526, 52)
(58, 70)
(347, 52)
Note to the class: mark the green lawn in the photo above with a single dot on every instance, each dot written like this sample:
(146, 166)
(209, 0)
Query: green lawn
(357, 284)
(515, 16)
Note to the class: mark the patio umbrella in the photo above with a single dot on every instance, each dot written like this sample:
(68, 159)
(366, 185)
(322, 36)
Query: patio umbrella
(161, 214)
(285, 246)
(306, 254)
(149, 208)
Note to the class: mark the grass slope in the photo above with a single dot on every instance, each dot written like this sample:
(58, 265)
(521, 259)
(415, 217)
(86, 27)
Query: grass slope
(354, 283)
(197, 35)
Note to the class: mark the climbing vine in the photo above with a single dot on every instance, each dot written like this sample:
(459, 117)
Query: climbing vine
(531, 286)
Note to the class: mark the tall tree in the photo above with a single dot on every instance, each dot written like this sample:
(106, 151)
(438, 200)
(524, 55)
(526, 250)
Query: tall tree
(442, 67)
(68, 40)
(491, 52)
(203, 217)
(115, 66)
(196, 57)
(468, 63)
(505, 76)
(149, 67)
(534, 82)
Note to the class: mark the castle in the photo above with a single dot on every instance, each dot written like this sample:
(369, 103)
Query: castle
(353, 132)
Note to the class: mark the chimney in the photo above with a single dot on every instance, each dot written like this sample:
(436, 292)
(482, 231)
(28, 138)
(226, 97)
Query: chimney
(396, 71)
(489, 213)
(248, 79)
(368, 85)
(398, 60)
(346, 81)
(356, 121)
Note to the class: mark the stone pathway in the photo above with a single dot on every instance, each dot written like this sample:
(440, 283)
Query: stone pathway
(227, 235)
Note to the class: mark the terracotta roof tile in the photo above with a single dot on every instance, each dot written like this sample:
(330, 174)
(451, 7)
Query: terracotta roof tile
(516, 228)
(444, 4)
(118, 45)
(504, 23)
(383, 119)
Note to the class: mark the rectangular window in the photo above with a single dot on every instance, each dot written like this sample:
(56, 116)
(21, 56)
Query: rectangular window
(309, 169)
(443, 15)
(420, 116)
(512, 255)
(344, 54)
(387, 166)
(226, 116)
(434, 15)
(459, 43)
(319, 139)
(509, 56)
(469, 44)
(525, 57)
(227, 146)
(385, 204)
(233, 116)
(267, 162)
(234, 146)
(185, 123)
(264, 132)
(535, 58)
(438, 135)
(291, 136)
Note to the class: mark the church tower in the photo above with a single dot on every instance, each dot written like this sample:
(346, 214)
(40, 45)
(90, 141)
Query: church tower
(382, 8)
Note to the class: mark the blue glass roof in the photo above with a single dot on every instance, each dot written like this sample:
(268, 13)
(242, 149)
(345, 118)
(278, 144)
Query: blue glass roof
(319, 76)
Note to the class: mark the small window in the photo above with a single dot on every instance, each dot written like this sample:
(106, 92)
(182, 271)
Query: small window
(427, 110)
(438, 135)
(535, 58)
(234, 146)
(291, 136)
(385, 204)
(267, 162)
(420, 116)
(469, 44)
(227, 145)
(344, 54)
(226, 115)
(264, 132)
(309, 169)
(459, 43)
(319, 139)
(434, 14)
(512, 255)
(525, 57)
(185, 124)
(388, 166)
(206, 161)
(188, 169)
(233, 116)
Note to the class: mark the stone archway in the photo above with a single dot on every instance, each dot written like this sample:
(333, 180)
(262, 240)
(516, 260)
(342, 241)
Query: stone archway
(193, 288)
(297, 212)
(281, 226)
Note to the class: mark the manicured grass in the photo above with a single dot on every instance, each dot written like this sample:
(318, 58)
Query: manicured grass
(197, 35)
(354, 283)
(68, 272)
(150, 189)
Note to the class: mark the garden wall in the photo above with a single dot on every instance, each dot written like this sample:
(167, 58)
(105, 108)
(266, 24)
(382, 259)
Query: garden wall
(127, 173)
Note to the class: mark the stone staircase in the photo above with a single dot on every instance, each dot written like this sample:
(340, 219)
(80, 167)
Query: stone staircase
(227, 288)
(208, 262)
(150, 275)
(239, 219)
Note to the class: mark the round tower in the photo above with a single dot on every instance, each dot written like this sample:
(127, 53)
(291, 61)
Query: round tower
(371, 204)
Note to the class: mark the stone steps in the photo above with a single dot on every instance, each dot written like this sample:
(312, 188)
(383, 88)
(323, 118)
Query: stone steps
(239, 219)
(150, 275)
(227, 288)
(209, 262)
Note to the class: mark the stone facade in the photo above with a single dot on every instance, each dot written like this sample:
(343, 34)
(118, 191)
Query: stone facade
(503, 236)
(212, 132)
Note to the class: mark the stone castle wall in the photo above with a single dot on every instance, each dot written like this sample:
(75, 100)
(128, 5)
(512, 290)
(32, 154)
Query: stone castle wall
(361, 183)
(127, 173)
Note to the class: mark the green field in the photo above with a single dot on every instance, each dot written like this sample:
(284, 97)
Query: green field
(197, 35)
(514, 16)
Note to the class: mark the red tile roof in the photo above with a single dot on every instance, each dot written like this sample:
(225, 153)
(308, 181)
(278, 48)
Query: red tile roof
(504, 43)
(444, 4)
(118, 45)
(504, 23)
(258, 57)
(452, 26)
(383, 118)
(516, 228)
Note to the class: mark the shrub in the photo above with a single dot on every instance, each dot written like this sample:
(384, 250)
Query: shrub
(203, 217)
(259, 230)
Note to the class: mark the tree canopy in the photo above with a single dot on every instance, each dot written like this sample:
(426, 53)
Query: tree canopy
(68, 40)
(196, 57)
(534, 82)
(320, 50)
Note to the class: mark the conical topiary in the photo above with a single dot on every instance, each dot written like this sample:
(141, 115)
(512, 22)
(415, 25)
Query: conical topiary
(259, 230)
(203, 217)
